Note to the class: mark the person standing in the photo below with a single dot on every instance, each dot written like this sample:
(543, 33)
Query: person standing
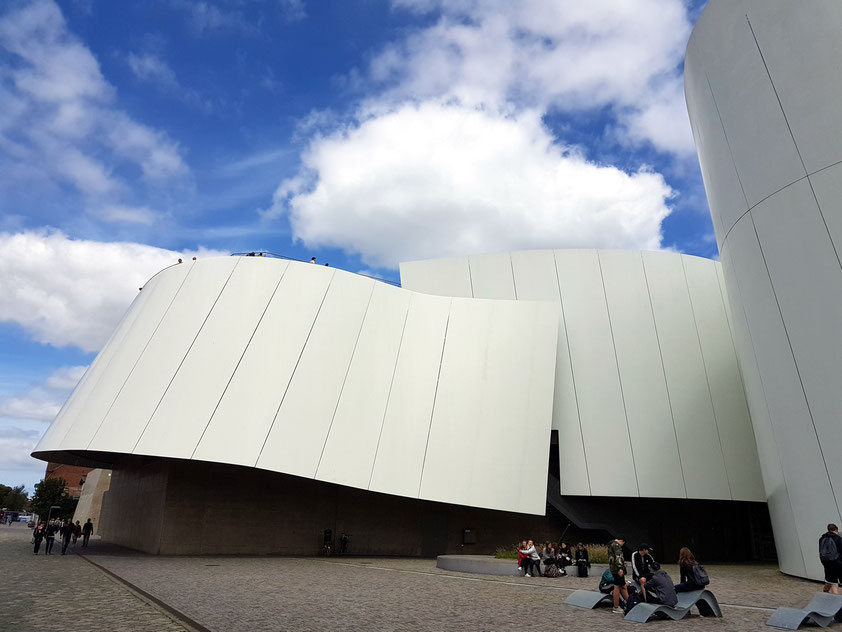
(67, 531)
(38, 536)
(50, 534)
(830, 555)
(87, 530)
(617, 566)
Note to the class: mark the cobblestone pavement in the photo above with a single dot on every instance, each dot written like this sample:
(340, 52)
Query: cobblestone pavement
(234, 594)
(55, 592)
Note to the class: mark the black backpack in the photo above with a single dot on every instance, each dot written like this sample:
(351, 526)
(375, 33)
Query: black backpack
(828, 551)
(701, 575)
(632, 601)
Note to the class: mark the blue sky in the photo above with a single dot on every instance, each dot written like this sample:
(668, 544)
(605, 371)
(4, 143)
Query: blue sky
(364, 133)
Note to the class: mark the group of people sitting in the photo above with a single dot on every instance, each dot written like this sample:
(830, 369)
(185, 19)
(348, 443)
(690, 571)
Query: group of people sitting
(555, 558)
(655, 585)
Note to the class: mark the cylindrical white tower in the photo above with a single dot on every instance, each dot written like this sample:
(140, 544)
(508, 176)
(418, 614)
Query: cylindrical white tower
(763, 81)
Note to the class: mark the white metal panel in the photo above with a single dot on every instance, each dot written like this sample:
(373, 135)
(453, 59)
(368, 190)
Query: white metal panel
(595, 372)
(493, 409)
(724, 191)
(695, 425)
(298, 433)
(242, 419)
(827, 185)
(536, 279)
(491, 276)
(68, 415)
(726, 388)
(806, 477)
(655, 447)
(186, 408)
(351, 445)
(403, 440)
(781, 515)
(93, 406)
(444, 277)
(808, 289)
(161, 358)
(802, 49)
(757, 132)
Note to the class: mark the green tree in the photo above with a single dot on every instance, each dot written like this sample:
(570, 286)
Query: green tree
(13, 498)
(50, 492)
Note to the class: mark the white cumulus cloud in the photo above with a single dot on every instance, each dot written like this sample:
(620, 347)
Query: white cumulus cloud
(442, 179)
(42, 402)
(65, 291)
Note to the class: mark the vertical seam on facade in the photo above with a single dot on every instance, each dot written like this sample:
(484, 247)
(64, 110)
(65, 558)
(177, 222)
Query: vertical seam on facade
(140, 355)
(470, 276)
(664, 373)
(707, 377)
(389, 396)
(435, 398)
(573, 380)
(795, 364)
(769, 417)
(242, 355)
(727, 142)
(617, 364)
(295, 368)
(794, 142)
(345, 379)
(187, 353)
(514, 283)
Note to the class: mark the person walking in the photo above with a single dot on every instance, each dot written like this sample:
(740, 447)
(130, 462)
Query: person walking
(67, 531)
(617, 566)
(38, 536)
(87, 530)
(50, 534)
(830, 555)
(77, 531)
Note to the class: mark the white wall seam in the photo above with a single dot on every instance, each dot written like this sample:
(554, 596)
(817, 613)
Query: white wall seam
(181, 363)
(664, 373)
(237, 366)
(619, 376)
(295, 368)
(707, 378)
(140, 355)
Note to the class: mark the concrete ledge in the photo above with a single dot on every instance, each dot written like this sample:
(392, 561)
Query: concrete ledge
(480, 564)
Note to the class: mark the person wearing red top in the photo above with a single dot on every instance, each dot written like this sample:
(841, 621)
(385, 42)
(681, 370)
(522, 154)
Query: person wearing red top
(520, 556)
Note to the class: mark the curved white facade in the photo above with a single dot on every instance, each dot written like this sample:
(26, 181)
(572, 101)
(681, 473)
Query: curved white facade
(324, 374)
(649, 400)
(763, 86)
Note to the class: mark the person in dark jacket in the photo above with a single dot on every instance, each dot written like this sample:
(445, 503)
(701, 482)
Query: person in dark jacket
(643, 566)
(582, 560)
(660, 589)
(87, 530)
(38, 536)
(686, 564)
(67, 530)
(50, 534)
(565, 557)
(77, 532)
(832, 567)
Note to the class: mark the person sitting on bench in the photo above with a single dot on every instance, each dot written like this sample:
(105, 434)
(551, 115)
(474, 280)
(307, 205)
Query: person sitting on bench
(643, 565)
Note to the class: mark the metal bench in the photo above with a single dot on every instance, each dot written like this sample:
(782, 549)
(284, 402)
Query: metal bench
(704, 600)
(821, 610)
(587, 599)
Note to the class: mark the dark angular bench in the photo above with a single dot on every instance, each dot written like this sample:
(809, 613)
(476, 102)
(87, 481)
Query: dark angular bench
(821, 611)
(704, 600)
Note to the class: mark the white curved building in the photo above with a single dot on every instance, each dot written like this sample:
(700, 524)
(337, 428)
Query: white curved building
(763, 87)
(287, 380)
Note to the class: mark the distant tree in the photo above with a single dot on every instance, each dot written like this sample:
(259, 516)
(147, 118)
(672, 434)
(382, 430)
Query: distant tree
(49, 492)
(13, 498)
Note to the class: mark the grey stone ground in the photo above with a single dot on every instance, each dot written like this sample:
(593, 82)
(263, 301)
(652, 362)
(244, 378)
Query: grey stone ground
(234, 594)
(65, 592)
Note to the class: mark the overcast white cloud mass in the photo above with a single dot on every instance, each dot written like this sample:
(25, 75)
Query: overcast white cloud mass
(73, 292)
(59, 122)
(448, 154)
(437, 180)
(43, 401)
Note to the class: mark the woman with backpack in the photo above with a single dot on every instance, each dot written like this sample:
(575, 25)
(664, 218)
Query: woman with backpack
(693, 574)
